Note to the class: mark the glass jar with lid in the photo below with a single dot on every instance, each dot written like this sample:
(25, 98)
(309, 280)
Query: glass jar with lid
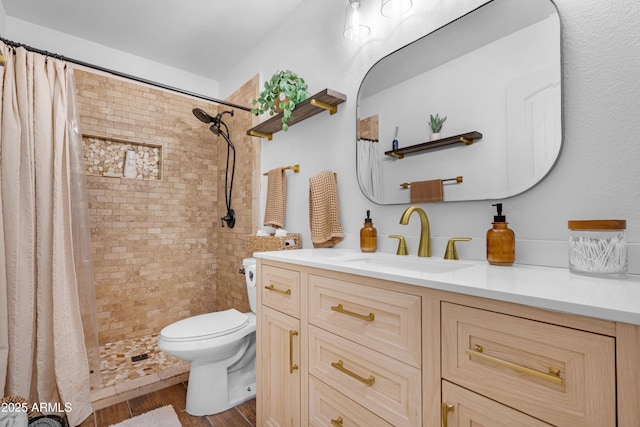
(598, 247)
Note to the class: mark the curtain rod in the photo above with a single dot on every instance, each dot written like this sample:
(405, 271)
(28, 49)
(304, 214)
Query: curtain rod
(124, 75)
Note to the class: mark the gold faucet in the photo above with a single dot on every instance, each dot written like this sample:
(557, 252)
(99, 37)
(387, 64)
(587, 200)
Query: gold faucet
(424, 248)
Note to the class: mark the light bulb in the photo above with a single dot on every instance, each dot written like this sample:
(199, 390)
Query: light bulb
(354, 29)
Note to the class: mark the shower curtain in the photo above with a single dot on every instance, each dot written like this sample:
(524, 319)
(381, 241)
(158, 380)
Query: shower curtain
(42, 350)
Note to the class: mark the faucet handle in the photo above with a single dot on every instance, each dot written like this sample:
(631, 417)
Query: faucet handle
(402, 244)
(451, 252)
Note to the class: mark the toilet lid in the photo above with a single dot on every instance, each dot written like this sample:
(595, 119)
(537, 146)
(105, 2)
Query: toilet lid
(205, 326)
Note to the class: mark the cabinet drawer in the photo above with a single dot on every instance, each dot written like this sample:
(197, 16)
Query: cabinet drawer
(389, 388)
(468, 409)
(560, 375)
(280, 289)
(328, 408)
(383, 320)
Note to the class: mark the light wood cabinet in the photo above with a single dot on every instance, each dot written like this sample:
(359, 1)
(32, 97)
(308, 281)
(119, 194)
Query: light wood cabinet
(329, 408)
(279, 387)
(278, 348)
(464, 408)
(372, 352)
(560, 375)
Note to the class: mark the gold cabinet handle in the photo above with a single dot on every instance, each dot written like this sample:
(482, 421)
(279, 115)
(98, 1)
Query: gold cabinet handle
(292, 366)
(369, 318)
(339, 365)
(553, 375)
(280, 291)
(337, 422)
(444, 412)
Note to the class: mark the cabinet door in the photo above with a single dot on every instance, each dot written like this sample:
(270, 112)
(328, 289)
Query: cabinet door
(278, 369)
(563, 376)
(464, 408)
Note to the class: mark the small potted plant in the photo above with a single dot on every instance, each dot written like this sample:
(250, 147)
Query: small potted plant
(281, 94)
(436, 125)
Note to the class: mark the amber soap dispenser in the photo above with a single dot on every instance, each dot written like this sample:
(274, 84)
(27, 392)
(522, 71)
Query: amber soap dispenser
(368, 235)
(501, 241)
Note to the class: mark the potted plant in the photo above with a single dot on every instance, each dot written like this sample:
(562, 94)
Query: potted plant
(436, 125)
(281, 94)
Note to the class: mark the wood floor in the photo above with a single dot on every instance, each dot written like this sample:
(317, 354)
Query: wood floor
(241, 416)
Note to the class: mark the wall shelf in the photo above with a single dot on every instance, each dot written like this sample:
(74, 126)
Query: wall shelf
(466, 138)
(326, 100)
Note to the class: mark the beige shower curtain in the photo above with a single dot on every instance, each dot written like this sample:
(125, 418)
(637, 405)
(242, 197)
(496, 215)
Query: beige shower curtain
(42, 351)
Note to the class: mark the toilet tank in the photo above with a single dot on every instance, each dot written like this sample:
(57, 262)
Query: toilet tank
(249, 265)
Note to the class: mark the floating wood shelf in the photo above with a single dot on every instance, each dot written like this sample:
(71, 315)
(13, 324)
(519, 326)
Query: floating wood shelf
(326, 100)
(466, 138)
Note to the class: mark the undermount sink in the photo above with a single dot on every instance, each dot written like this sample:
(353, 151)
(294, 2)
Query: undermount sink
(381, 262)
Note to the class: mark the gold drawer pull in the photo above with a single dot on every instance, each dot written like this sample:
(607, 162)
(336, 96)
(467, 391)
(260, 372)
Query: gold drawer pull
(280, 291)
(369, 318)
(444, 413)
(292, 366)
(337, 422)
(553, 375)
(339, 365)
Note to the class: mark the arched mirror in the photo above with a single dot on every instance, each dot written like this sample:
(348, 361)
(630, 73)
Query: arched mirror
(495, 75)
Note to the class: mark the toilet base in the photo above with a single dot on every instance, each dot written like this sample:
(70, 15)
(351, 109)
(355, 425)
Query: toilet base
(216, 387)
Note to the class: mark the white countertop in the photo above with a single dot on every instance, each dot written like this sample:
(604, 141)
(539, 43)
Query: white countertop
(544, 287)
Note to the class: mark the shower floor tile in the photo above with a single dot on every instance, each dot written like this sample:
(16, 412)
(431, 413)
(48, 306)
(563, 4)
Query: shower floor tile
(117, 367)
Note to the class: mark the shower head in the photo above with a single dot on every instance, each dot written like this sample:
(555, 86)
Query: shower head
(202, 115)
(205, 117)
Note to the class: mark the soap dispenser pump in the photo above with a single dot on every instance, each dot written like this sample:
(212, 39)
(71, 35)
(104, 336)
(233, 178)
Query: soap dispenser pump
(501, 241)
(368, 235)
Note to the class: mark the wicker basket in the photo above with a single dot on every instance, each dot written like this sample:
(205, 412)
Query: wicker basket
(274, 243)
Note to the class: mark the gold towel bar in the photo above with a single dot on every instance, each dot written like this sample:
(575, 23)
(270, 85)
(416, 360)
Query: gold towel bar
(294, 168)
(553, 375)
(457, 179)
(339, 365)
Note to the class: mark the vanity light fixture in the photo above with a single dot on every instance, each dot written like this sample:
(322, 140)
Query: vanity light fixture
(354, 29)
(394, 8)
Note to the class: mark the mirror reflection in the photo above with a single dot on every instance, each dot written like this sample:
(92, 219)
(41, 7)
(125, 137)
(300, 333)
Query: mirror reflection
(494, 73)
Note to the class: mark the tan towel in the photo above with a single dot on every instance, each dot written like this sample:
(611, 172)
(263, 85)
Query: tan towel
(427, 191)
(276, 198)
(323, 210)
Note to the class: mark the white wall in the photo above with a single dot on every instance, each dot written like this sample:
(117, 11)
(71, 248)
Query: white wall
(597, 175)
(82, 50)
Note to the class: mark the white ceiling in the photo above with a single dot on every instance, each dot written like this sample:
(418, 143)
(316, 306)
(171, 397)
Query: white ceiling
(203, 37)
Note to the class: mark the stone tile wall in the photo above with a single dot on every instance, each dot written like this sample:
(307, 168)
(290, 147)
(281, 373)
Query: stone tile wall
(233, 243)
(159, 251)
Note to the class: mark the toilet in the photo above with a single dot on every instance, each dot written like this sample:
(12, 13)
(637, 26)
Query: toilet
(221, 347)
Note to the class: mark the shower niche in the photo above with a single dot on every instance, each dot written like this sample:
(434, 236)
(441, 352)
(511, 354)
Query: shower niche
(105, 156)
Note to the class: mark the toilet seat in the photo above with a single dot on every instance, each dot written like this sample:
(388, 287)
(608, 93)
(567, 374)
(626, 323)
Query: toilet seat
(205, 326)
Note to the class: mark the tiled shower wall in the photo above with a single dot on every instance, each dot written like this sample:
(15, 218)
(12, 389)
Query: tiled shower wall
(159, 252)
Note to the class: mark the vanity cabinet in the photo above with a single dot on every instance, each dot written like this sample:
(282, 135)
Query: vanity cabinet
(464, 408)
(374, 352)
(278, 343)
(560, 375)
(365, 343)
